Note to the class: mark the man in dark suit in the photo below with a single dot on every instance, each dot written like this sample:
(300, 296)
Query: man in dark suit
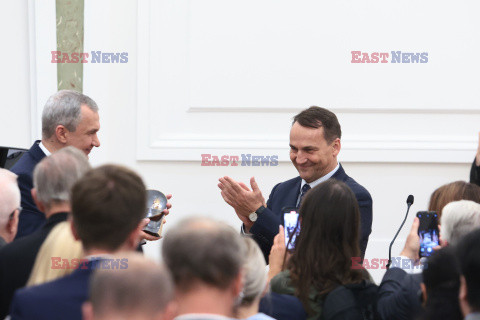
(53, 178)
(69, 118)
(108, 205)
(314, 146)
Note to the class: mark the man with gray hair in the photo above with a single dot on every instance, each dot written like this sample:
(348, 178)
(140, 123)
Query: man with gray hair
(53, 179)
(69, 118)
(141, 291)
(205, 258)
(458, 219)
(9, 206)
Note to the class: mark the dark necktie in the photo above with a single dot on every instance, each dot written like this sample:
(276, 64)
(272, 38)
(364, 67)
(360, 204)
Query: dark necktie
(305, 189)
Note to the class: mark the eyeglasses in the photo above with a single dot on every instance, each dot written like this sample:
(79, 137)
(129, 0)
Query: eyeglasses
(11, 214)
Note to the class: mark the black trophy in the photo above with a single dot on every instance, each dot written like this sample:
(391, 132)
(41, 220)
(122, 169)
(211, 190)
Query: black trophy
(156, 203)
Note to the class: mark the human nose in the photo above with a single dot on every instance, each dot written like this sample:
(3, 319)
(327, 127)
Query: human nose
(96, 141)
(301, 159)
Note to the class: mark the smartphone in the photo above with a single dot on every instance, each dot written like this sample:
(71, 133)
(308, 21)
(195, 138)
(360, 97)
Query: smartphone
(291, 226)
(428, 232)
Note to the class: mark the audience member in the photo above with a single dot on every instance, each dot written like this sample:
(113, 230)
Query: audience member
(255, 283)
(398, 292)
(440, 286)
(205, 258)
(53, 179)
(454, 191)
(328, 240)
(59, 249)
(469, 257)
(314, 146)
(108, 204)
(9, 206)
(69, 118)
(141, 291)
(475, 170)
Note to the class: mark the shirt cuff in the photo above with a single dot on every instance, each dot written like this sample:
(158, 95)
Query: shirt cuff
(244, 233)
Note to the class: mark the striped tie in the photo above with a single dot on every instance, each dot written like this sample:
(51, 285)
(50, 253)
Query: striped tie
(305, 189)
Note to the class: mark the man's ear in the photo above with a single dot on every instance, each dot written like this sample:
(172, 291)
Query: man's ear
(87, 311)
(61, 133)
(238, 283)
(424, 293)
(336, 145)
(38, 203)
(170, 311)
(463, 297)
(74, 231)
(12, 224)
(134, 238)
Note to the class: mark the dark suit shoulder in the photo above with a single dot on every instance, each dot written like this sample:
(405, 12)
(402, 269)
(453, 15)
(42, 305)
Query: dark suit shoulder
(24, 166)
(359, 190)
(23, 246)
(29, 160)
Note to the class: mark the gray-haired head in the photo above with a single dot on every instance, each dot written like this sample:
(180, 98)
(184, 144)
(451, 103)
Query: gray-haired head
(54, 176)
(458, 219)
(255, 273)
(64, 108)
(139, 287)
(203, 250)
(9, 195)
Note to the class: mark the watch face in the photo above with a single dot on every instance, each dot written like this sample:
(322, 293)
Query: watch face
(253, 216)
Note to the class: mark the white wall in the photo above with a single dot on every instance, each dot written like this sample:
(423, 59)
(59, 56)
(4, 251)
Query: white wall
(15, 75)
(112, 26)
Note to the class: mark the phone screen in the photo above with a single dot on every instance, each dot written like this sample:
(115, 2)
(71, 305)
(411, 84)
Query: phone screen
(290, 221)
(428, 232)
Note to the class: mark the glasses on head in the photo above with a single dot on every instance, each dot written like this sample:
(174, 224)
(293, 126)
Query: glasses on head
(11, 214)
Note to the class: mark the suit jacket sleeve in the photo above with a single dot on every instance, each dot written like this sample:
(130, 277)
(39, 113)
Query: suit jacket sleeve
(365, 205)
(266, 227)
(475, 174)
(398, 295)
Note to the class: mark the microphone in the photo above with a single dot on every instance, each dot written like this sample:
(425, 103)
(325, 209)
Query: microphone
(409, 204)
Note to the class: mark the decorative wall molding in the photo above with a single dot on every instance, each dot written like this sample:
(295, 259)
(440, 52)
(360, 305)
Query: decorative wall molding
(177, 121)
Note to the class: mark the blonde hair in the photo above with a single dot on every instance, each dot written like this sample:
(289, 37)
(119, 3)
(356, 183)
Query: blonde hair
(59, 243)
(255, 278)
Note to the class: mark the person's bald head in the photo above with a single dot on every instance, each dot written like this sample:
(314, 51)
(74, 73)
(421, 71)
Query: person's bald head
(203, 250)
(9, 204)
(142, 290)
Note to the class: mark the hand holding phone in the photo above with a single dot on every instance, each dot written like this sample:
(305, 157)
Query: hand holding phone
(291, 225)
(428, 232)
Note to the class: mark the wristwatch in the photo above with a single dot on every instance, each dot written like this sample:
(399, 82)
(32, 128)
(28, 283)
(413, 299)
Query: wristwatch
(254, 215)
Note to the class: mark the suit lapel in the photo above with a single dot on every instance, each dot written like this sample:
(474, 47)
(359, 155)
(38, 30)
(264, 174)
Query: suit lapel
(291, 196)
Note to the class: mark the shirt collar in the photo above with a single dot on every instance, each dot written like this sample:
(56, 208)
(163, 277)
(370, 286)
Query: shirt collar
(44, 149)
(321, 179)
